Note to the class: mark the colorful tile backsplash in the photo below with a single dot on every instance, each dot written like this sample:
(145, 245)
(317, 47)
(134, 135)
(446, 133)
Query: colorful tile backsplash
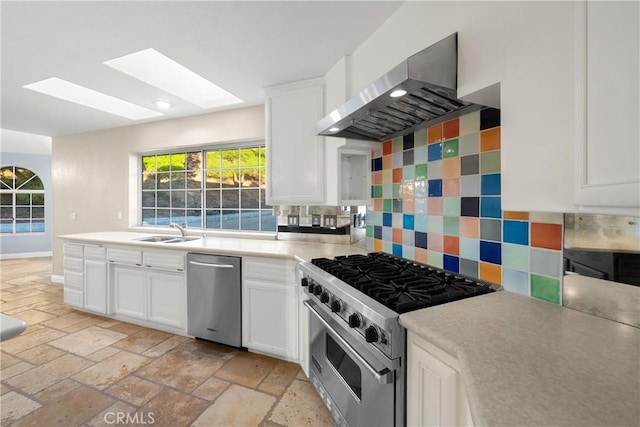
(437, 200)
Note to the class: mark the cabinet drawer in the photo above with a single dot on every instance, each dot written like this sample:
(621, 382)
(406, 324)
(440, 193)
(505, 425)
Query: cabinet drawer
(272, 270)
(169, 261)
(94, 252)
(73, 264)
(73, 250)
(75, 298)
(73, 280)
(124, 256)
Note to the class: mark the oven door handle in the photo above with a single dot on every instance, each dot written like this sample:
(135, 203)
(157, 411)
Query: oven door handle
(383, 377)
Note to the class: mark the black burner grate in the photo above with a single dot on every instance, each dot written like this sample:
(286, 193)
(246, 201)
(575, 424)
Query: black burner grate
(401, 284)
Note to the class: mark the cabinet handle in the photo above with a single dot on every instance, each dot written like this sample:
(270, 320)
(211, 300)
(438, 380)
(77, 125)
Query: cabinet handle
(206, 264)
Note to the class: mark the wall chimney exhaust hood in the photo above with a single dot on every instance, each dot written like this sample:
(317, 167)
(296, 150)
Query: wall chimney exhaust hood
(419, 92)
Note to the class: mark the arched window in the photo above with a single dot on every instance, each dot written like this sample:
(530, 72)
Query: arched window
(21, 201)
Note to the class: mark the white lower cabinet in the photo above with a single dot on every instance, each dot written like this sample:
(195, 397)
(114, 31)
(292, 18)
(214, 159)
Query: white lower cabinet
(435, 392)
(85, 277)
(151, 294)
(95, 286)
(166, 296)
(269, 307)
(129, 291)
(73, 275)
(145, 287)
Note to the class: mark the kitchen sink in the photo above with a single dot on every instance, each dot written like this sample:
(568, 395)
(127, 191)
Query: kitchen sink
(166, 239)
(181, 239)
(155, 239)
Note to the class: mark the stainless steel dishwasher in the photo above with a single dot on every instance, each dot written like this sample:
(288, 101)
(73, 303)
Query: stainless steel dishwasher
(214, 305)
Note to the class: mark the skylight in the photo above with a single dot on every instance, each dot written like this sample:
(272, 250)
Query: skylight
(72, 92)
(155, 69)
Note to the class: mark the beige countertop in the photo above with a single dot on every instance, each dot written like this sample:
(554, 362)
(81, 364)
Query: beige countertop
(300, 251)
(528, 362)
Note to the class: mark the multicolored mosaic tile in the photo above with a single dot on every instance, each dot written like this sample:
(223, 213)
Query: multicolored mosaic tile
(437, 200)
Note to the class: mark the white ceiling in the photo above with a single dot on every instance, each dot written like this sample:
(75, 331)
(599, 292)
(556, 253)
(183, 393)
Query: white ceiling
(241, 46)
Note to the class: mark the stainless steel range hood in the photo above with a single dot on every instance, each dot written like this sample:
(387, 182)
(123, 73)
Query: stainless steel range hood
(430, 80)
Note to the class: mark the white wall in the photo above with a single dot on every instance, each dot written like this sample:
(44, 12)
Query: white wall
(34, 153)
(526, 47)
(12, 141)
(92, 175)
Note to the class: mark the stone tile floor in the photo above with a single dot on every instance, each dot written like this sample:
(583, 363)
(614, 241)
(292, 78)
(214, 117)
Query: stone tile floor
(71, 368)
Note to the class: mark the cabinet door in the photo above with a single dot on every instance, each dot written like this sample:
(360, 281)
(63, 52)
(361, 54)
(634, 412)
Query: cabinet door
(295, 154)
(435, 394)
(130, 297)
(167, 298)
(537, 101)
(608, 66)
(269, 318)
(95, 286)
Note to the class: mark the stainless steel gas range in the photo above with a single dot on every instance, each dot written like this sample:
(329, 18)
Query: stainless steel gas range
(357, 346)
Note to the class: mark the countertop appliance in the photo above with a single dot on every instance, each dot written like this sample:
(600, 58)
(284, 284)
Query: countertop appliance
(419, 92)
(214, 304)
(357, 346)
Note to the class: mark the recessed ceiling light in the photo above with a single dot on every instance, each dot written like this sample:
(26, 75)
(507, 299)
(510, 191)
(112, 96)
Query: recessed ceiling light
(72, 92)
(165, 105)
(155, 69)
(398, 93)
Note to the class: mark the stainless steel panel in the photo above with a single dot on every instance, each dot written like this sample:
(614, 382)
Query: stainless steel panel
(610, 300)
(430, 79)
(378, 404)
(214, 305)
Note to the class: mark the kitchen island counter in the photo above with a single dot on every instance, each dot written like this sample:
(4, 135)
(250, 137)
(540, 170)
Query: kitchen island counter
(300, 251)
(528, 362)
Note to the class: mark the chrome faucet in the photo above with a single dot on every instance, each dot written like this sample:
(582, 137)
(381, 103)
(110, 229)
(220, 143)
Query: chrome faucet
(183, 229)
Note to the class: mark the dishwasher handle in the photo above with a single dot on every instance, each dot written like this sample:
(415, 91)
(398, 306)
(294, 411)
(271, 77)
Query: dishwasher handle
(207, 264)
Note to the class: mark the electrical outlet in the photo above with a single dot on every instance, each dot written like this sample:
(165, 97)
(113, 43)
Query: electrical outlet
(73, 216)
(120, 215)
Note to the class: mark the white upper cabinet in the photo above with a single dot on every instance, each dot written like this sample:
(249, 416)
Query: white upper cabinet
(295, 154)
(537, 101)
(608, 107)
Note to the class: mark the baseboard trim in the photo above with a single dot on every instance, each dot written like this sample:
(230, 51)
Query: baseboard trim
(57, 279)
(26, 255)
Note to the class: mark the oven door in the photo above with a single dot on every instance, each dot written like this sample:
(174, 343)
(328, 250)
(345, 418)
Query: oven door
(348, 377)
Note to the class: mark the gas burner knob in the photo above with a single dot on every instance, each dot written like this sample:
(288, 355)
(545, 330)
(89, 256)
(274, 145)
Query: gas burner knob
(311, 287)
(336, 306)
(371, 334)
(324, 297)
(354, 320)
(304, 281)
(317, 290)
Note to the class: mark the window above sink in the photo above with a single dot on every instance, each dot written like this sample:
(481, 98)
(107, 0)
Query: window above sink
(216, 188)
